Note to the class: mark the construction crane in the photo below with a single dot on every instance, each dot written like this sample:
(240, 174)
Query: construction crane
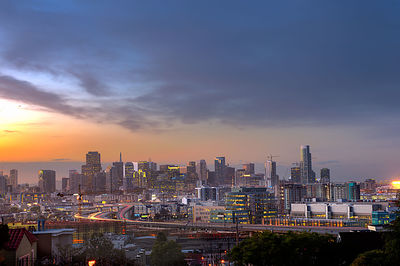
(78, 198)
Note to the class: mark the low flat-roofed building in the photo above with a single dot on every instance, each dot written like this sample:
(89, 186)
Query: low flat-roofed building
(202, 214)
(50, 240)
(330, 210)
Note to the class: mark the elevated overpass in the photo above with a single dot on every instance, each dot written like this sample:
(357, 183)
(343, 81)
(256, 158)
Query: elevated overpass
(126, 211)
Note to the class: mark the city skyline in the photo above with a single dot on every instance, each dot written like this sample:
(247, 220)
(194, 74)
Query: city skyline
(193, 81)
(63, 168)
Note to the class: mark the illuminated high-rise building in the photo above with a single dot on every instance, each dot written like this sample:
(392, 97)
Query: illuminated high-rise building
(75, 180)
(129, 176)
(325, 176)
(306, 172)
(47, 181)
(90, 169)
(144, 166)
(14, 179)
(271, 177)
(100, 182)
(65, 184)
(3, 183)
(117, 174)
(249, 168)
(295, 174)
(220, 169)
(203, 171)
(352, 191)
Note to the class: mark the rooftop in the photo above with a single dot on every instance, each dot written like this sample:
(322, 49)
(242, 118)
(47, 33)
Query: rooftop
(16, 236)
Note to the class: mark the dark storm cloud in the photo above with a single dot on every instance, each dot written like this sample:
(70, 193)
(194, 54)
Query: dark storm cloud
(23, 91)
(258, 63)
(91, 84)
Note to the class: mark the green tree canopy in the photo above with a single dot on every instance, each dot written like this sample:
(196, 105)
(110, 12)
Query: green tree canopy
(166, 252)
(371, 258)
(285, 249)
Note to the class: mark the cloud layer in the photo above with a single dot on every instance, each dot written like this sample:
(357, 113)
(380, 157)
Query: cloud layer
(147, 65)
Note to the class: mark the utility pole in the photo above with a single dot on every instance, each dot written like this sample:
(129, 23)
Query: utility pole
(235, 220)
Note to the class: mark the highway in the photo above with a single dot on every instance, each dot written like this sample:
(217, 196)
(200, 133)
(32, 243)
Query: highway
(101, 216)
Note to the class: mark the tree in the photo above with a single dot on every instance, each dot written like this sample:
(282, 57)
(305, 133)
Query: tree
(4, 238)
(102, 250)
(4, 235)
(166, 253)
(371, 258)
(392, 244)
(390, 254)
(288, 249)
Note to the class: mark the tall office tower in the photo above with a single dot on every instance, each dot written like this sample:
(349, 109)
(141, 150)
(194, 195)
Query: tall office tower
(240, 180)
(117, 175)
(368, 185)
(147, 176)
(352, 191)
(288, 194)
(65, 184)
(220, 169)
(153, 166)
(229, 178)
(295, 175)
(191, 167)
(3, 183)
(202, 172)
(14, 179)
(191, 170)
(325, 176)
(271, 177)
(92, 167)
(211, 178)
(129, 175)
(75, 180)
(144, 166)
(307, 174)
(100, 182)
(249, 168)
(47, 181)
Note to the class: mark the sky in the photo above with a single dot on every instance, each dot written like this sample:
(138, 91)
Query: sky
(176, 81)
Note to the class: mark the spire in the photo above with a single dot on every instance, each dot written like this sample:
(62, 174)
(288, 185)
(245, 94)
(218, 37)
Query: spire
(120, 157)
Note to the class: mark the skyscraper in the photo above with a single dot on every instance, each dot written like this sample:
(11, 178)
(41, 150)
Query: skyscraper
(129, 175)
(220, 166)
(65, 184)
(270, 173)
(47, 181)
(117, 175)
(91, 168)
(295, 174)
(3, 183)
(249, 168)
(14, 179)
(191, 169)
(325, 176)
(203, 172)
(75, 180)
(352, 191)
(306, 172)
(100, 182)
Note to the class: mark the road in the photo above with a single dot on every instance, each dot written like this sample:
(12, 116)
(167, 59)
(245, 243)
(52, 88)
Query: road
(101, 216)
